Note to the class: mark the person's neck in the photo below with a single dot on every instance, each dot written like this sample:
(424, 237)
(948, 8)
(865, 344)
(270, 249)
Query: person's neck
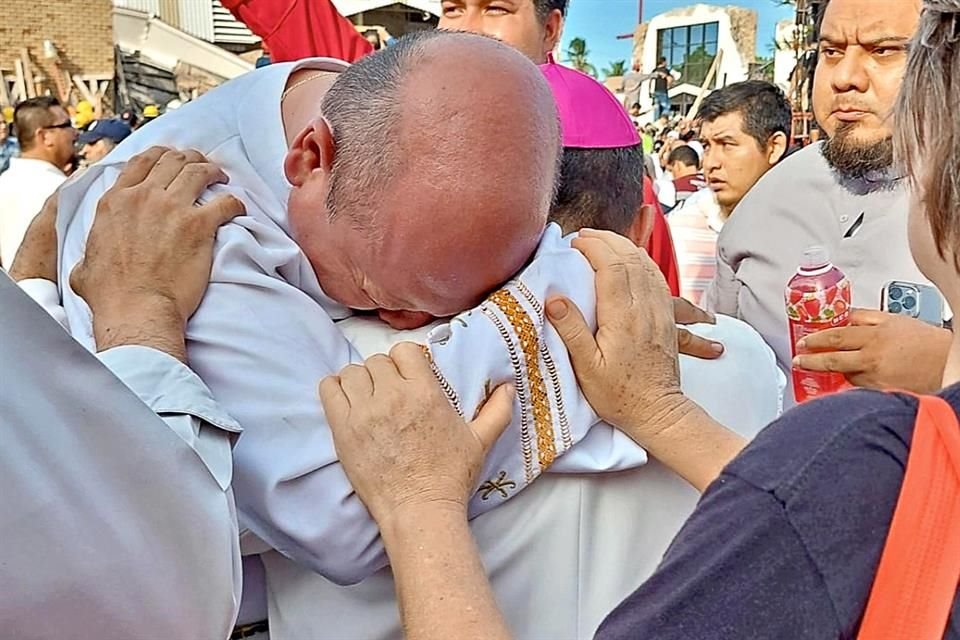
(303, 94)
(951, 372)
(39, 154)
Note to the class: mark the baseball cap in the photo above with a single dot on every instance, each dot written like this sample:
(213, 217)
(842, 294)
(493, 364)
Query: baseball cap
(591, 116)
(115, 130)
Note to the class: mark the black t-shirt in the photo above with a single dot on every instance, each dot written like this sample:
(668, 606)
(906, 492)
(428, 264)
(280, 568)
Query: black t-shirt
(660, 81)
(786, 542)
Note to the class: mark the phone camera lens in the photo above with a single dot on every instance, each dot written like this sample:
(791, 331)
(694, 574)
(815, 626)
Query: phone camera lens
(895, 307)
(896, 293)
(909, 303)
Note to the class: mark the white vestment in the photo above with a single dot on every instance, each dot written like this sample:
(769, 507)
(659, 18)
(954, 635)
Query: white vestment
(265, 335)
(115, 524)
(567, 550)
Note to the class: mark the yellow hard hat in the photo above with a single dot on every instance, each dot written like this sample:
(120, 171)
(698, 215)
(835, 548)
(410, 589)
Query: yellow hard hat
(84, 107)
(8, 115)
(151, 111)
(82, 118)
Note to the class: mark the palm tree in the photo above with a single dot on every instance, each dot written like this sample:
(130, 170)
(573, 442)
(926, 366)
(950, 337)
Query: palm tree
(577, 56)
(616, 69)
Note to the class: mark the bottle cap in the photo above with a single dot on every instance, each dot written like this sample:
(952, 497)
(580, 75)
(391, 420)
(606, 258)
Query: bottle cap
(815, 257)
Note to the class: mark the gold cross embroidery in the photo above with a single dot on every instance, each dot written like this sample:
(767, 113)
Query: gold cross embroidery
(499, 485)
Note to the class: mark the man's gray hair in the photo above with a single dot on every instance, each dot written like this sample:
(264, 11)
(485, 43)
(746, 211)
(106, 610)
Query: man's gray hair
(926, 134)
(364, 112)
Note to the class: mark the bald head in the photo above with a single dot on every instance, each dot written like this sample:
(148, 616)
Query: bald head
(447, 150)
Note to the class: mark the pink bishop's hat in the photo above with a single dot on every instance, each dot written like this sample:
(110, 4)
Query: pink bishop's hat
(591, 117)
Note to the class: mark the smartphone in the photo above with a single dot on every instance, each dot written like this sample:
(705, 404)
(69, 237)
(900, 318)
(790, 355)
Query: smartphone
(920, 301)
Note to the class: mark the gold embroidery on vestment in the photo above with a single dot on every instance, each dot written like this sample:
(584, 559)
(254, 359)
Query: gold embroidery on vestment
(526, 444)
(530, 346)
(565, 435)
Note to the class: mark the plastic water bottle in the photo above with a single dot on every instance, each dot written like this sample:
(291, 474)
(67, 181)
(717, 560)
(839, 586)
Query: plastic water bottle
(818, 298)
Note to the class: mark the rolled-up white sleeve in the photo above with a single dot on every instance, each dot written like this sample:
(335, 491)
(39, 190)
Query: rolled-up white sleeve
(183, 401)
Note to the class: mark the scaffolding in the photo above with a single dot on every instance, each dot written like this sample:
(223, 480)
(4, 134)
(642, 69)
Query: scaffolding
(805, 45)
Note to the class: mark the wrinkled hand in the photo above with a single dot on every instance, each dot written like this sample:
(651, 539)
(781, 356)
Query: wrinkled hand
(630, 370)
(37, 255)
(400, 441)
(880, 351)
(150, 249)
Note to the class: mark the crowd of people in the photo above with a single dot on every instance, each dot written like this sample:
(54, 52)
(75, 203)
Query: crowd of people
(607, 445)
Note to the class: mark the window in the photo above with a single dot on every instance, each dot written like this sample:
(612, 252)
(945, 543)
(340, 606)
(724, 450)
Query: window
(690, 51)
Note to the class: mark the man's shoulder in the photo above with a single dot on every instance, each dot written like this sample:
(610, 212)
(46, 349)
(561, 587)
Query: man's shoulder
(840, 434)
(795, 171)
(743, 389)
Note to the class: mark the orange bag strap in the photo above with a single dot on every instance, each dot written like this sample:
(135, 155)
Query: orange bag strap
(916, 583)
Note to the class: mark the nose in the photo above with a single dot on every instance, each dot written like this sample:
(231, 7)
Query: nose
(472, 21)
(711, 160)
(849, 74)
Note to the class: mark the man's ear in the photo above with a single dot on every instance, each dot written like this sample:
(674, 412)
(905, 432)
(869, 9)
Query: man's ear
(552, 30)
(642, 227)
(777, 148)
(313, 149)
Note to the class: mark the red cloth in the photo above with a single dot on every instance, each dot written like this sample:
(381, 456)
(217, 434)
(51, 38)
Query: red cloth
(660, 246)
(294, 29)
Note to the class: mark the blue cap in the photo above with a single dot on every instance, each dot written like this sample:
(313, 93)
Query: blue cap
(115, 130)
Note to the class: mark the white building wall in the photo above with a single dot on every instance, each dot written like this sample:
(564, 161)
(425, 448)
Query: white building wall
(784, 60)
(733, 68)
(196, 18)
(151, 7)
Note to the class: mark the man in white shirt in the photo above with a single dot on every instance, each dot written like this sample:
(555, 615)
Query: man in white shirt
(47, 139)
(846, 195)
(264, 334)
(117, 523)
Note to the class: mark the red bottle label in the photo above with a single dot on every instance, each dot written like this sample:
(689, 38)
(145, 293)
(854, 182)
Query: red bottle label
(809, 312)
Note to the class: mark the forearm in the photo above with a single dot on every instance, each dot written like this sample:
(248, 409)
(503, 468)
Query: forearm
(684, 437)
(442, 587)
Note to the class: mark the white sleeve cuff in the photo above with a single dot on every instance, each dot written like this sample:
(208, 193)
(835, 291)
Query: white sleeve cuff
(47, 295)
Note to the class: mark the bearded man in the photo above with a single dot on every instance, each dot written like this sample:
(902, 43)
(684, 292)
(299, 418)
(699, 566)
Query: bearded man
(846, 195)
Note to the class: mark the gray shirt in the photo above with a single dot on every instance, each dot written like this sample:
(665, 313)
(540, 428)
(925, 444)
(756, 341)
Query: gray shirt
(800, 203)
(116, 523)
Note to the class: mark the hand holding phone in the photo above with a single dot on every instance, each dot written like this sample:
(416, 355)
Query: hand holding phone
(918, 301)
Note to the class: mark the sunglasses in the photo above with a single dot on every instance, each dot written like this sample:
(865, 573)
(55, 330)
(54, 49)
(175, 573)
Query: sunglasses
(62, 125)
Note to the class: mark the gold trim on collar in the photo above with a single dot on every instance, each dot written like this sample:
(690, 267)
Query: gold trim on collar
(529, 339)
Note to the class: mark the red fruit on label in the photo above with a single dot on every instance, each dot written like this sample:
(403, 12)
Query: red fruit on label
(839, 306)
(811, 308)
(795, 296)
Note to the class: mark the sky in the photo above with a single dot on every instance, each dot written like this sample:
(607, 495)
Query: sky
(599, 22)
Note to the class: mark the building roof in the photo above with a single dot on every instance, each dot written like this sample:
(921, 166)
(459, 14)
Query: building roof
(352, 7)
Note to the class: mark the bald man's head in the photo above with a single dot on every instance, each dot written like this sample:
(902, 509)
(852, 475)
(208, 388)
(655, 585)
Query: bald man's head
(444, 168)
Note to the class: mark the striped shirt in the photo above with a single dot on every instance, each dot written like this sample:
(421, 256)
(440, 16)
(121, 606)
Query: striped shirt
(695, 226)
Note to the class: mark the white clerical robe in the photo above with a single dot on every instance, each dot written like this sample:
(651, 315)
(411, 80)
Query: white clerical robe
(115, 523)
(265, 335)
(564, 552)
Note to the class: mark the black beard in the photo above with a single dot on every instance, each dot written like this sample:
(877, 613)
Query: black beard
(856, 160)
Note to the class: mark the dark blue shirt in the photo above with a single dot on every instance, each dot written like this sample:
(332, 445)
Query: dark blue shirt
(786, 543)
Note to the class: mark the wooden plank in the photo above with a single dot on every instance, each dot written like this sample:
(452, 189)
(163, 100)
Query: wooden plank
(706, 83)
(84, 90)
(28, 74)
(21, 83)
(5, 99)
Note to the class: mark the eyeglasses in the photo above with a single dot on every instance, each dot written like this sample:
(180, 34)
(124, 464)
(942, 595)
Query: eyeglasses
(62, 125)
